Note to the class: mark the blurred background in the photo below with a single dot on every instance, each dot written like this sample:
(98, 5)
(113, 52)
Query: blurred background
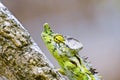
(96, 23)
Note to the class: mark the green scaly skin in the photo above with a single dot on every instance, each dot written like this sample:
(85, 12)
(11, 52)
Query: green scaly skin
(65, 50)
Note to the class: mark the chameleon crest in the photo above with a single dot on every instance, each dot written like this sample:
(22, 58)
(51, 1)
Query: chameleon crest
(65, 50)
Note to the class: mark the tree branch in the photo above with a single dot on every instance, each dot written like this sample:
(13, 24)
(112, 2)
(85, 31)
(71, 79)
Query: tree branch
(20, 57)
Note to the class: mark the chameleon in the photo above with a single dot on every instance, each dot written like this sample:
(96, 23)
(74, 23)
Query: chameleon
(65, 50)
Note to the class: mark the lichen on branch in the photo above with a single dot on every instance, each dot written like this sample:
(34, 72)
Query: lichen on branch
(20, 57)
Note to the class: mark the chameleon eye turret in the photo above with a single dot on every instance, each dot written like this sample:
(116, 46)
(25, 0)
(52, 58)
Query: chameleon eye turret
(59, 39)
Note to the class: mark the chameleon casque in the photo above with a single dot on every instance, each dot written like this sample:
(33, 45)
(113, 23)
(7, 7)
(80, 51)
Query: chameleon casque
(65, 50)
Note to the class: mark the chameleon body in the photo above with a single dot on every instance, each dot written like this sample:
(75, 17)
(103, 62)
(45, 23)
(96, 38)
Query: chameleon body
(65, 50)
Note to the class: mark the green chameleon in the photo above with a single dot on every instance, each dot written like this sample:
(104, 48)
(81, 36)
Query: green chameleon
(65, 50)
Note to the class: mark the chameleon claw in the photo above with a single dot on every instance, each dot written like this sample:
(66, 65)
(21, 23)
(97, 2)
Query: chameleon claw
(61, 71)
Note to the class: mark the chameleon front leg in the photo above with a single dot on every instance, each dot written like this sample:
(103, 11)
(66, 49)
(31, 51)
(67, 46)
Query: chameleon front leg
(61, 71)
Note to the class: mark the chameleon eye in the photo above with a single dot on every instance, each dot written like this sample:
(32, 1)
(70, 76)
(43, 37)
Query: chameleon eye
(59, 38)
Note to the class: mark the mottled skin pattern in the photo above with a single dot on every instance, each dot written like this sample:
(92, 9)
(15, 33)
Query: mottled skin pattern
(65, 50)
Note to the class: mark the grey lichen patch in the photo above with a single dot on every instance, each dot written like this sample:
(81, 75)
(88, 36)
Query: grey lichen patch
(19, 60)
(13, 33)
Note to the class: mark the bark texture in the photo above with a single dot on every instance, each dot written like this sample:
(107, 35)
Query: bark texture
(20, 57)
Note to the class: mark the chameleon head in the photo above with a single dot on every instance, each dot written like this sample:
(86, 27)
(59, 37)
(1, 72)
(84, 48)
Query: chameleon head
(51, 38)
